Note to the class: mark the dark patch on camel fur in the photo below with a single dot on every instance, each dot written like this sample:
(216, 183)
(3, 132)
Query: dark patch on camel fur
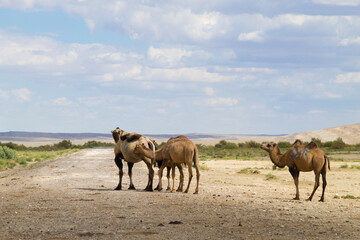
(130, 137)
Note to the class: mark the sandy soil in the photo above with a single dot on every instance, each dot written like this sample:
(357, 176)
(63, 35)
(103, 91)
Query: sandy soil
(73, 198)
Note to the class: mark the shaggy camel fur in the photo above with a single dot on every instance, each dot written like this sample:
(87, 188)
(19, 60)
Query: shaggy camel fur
(177, 150)
(124, 150)
(301, 158)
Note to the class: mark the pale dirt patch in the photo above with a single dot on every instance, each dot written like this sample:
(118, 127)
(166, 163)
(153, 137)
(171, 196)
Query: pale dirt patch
(73, 198)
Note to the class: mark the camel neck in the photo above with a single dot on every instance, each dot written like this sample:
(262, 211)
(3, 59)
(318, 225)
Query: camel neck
(278, 159)
(150, 154)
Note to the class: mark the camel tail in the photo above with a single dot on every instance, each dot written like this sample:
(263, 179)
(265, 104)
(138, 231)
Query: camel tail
(327, 160)
(196, 156)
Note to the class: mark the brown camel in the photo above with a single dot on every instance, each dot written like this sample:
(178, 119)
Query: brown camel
(124, 150)
(177, 150)
(300, 158)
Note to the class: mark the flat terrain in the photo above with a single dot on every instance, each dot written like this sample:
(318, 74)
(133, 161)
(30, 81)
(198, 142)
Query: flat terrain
(73, 198)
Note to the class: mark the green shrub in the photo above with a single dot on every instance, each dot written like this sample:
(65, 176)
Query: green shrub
(317, 141)
(344, 166)
(64, 144)
(7, 153)
(349, 197)
(226, 145)
(284, 144)
(248, 170)
(252, 144)
(270, 176)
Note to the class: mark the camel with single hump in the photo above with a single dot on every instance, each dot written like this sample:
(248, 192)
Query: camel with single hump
(300, 158)
(176, 150)
(125, 143)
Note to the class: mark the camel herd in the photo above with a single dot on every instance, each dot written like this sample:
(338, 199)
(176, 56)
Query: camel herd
(133, 148)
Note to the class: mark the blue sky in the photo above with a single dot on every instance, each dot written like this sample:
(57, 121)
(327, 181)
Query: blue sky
(241, 67)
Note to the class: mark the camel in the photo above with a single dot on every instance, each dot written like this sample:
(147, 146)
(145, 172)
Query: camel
(176, 150)
(125, 143)
(300, 158)
(169, 167)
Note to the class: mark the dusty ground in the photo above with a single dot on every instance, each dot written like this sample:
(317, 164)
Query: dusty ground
(72, 198)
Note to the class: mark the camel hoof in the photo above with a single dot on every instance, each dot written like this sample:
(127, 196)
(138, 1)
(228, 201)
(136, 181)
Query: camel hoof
(159, 189)
(118, 188)
(296, 198)
(173, 191)
(148, 189)
(196, 192)
(309, 199)
(321, 200)
(131, 187)
(179, 190)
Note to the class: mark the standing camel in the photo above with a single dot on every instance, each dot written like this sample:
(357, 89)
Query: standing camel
(125, 143)
(176, 150)
(300, 158)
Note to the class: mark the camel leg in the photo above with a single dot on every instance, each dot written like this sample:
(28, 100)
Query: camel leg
(130, 166)
(317, 183)
(323, 174)
(119, 164)
(168, 178)
(149, 186)
(190, 176)
(158, 163)
(295, 174)
(181, 183)
(160, 174)
(173, 177)
(197, 177)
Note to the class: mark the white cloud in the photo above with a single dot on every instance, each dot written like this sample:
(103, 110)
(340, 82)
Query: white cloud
(349, 41)
(18, 95)
(351, 77)
(219, 101)
(167, 56)
(62, 101)
(22, 94)
(256, 36)
(209, 91)
(338, 3)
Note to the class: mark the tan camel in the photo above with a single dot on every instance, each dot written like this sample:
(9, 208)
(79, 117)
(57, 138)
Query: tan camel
(300, 158)
(124, 150)
(177, 150)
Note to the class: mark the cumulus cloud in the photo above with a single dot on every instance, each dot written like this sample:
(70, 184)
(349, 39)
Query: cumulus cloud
(17, 95)
(167, 56)
(220, 101)
(338, 3)
(62, 101)
(209, 91)
(251, 36)
(351, 77)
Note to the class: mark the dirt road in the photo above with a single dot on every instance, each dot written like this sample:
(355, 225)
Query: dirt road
(73, 198)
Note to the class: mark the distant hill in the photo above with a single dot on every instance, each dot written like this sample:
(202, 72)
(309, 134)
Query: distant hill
(18, 134)
(349, 133)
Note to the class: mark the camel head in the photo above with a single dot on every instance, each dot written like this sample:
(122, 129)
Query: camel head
(139, 148)
(116, 134)
(270, 147)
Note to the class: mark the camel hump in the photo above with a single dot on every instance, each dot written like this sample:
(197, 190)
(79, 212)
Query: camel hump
(130, 137)
(297, 143)
(311, 145)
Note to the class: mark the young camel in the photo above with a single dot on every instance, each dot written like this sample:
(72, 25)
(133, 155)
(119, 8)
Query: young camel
(177, 150)
(125, 143)
(300, 158)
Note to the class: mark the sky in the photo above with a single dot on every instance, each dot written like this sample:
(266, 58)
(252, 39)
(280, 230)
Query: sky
(199, 66)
